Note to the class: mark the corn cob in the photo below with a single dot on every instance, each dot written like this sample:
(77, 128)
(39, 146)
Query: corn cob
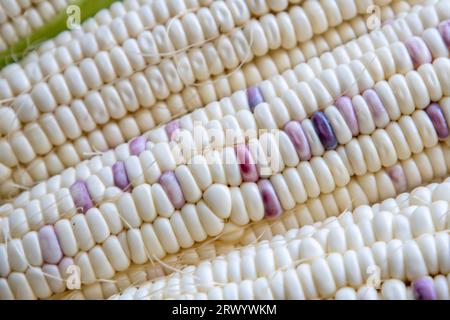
(51, 159)
(340, 240)
(339, 126)
(40, 166)
(270, 262)
(151, 13)
(416, 148)
(34, 130)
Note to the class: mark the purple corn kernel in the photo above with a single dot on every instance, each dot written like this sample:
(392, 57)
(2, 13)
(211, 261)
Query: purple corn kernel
(437, 117)
(137, 145)
(324, 130)
(169, 183)
(418, 51)
(172, 128)
(345, 107)
(398, 178)
(424, 289)
(81, 196)
(120, 176)
(444, 30)
(254, 97)
(272, 206)
(377, 108)
(49, 243)
(247, 165)
(295, 132)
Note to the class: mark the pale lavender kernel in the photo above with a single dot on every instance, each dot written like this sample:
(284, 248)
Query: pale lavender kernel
(172, 128)
(169, 183)
(437, 117)
(418, 51)
(444, 30)
(376, 106)
(81, 196)
(345, 107)
(254, 97)
(298, 138)
(272, 206)
(49, 243)
(137, 145)
(424, 289)
(65, 263)
(120, 176)
(398, 178)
